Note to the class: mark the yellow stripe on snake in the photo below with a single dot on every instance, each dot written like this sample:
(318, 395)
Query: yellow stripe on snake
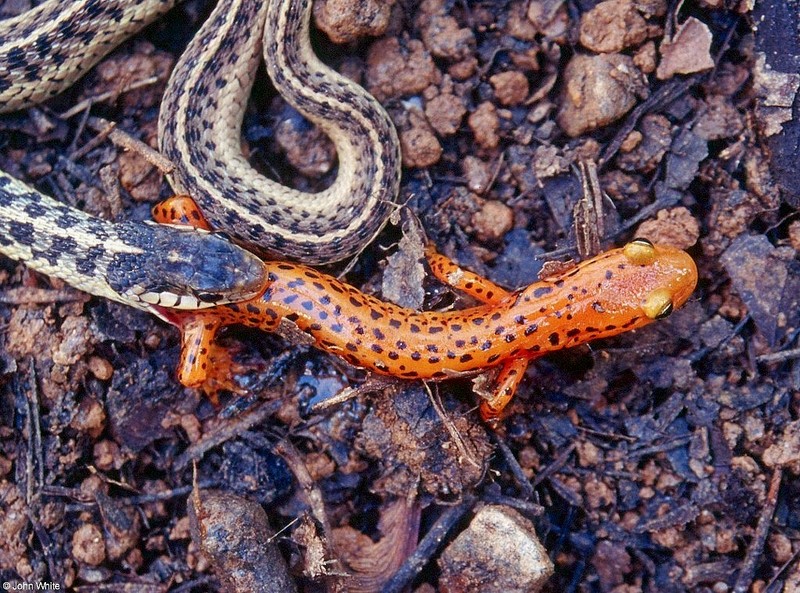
(44, 50)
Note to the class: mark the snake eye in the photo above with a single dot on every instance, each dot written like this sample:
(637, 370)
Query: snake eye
(658, 304)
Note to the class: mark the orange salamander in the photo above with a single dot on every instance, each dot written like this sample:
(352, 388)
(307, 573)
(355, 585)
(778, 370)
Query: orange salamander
(617, 291)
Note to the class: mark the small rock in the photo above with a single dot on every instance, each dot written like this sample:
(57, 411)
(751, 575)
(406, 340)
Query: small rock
(676, 227)
(599, 90)
(758, 275)
(478, 174)
(444, 38)
(345, 21)
(88, 546)
(510, 88)
(419, 144)
(786, 450)
(689, 51)
(445, 113)
(484, 123)
(395, 70)
(492, 221)
(612, 26)
(498, 552)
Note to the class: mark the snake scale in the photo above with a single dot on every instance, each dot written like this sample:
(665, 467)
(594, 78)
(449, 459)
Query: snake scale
(44, 50)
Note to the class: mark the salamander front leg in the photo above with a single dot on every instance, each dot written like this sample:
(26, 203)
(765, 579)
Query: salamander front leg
(511, 372)
(449, 272)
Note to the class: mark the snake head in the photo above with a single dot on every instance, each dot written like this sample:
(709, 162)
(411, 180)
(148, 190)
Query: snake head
(184, 268)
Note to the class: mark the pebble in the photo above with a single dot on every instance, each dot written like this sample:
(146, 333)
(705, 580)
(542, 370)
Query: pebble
(497, 553)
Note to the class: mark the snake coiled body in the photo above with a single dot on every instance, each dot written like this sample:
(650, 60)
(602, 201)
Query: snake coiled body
(44, 50)
(200, 123)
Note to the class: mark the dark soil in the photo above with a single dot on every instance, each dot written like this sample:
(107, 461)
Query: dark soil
(664, 460)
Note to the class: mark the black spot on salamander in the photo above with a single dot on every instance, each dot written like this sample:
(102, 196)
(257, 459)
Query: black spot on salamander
(435, 329)
(434, 359)
(477, 320)
(531, 329)
(510, 338)
(598, 308)
(351, 347)
(611, 327)
(355, 302)
(414, 328)
(323, 315)
(324, 300)
(416, 356)
(401, 345)
(318, 285)
(375, 315)
(541, 291)
(496, 316)
(519, 320)
(393, 355)
(292, 317)
(395, 323)
(296, 283)
(460, 343)
(315, 327)
(439, 375)
(432, 348)
(456, 327)
(630, 322)
(499, 330)
(465, 357)
(473, 340)
(573, 332)
(251, 308)
(290, 299)
(376, 349)
(451, 355)
(553, 338)
(559, 283)
(592, 330)
(337, 327)
(378, 334)
(492, 358)
(307, 305)
(486, 345)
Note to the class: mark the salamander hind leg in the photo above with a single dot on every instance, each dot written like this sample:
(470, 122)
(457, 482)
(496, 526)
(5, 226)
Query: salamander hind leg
(504, 387)
(449, 272)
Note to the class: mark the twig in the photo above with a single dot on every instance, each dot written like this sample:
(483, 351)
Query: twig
(128, 142)
(746, 575)
(428, 546)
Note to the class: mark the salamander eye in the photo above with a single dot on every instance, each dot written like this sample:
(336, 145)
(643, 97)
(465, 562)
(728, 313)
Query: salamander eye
(640, 252)
(658, 304)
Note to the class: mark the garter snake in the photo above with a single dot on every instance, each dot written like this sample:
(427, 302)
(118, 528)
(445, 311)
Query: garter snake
(44, 50)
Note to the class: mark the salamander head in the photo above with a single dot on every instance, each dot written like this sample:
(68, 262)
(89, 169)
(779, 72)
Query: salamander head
(636, 284)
